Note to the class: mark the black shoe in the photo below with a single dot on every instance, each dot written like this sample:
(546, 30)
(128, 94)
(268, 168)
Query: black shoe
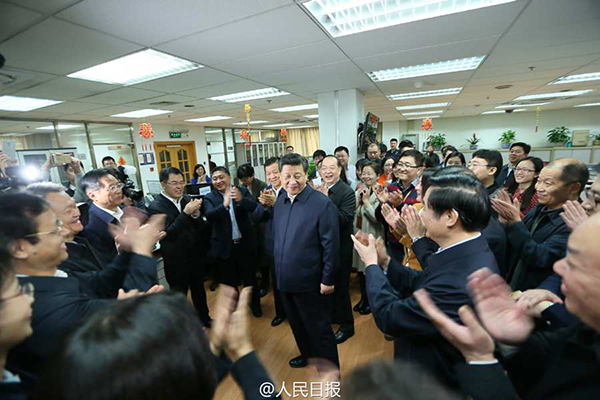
(298, 362)
(277, 321)
(257, 312)
(262, 292)
(365, 310)
(359, 305)
(341, 337)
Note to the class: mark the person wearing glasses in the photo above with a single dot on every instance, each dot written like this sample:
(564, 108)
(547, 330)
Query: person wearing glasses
(523, 189)
(486, 165)
(105, 192)
(33, 244)
(518, 151)
(539, 239)
(179, 246)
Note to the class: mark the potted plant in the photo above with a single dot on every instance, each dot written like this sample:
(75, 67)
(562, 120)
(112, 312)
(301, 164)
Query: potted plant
(559, 135)
(507, 137)
(596, 139)
(437, 141)
(473, 142)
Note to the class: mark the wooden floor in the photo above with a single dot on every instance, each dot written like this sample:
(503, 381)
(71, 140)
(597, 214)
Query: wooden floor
(276, 346)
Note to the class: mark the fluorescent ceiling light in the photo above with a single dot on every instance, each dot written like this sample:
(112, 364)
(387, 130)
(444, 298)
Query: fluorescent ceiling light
(588, 105)
(504, 112)
(423, 113)
(207, 119)
(423, 117)
(147, 112)
(296, 108)
(122, 129)
(139, 67)
(277, 125)
(312, 116)
(346, 17)
(301, 127)
(442, 67)
(14, 103)
(213, 131)
(251, 122)
(556, 94)
(429, 93)
(419, 106)
(594, 76)
(250, 95)
(61, 126)
(524, 105)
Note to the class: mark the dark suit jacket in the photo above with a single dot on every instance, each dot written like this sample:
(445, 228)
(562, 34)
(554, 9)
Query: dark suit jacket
(97, 234)
(551, 365)
(537, 251)
(218, 215)
(503, 179)
(59, 306)
(398, 313)
(343, 198)
(180, 246)
(556, 316)
(264, 215)
(306, 243)
(257, 187)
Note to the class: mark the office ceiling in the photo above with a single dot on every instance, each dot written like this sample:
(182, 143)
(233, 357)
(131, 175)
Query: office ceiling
(246, 45)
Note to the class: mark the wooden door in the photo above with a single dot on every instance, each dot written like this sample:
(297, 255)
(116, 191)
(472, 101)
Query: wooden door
(180, 155)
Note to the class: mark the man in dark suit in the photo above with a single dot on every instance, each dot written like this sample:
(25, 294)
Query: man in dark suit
(128, 271)
(263, 214)
(344, 199)
(180, 246)
(540, 239)
(36, 249)
(562, 364)
(233, 239)
(106, 194)
(518, 151)
(306, 261)
(456, 209)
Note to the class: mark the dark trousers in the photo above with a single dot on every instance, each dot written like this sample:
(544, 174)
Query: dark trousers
(309, 315)
(340, 300)
(240, 268)
(396, 252)
(189, 276)
(270, 264)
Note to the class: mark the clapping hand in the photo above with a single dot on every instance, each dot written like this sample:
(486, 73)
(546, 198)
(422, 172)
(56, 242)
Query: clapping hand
(323, 189)
(537, 300)
(368, 252)
(267, 198)
(395, 198)
(393, 218)
(414, 224)
(509, 211)
(236, 194)
(382, 195)
(231, 326)
(573, 214)
(123, 295)
(138, 239)
(193, 207)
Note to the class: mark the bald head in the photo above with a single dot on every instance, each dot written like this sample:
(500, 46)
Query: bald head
(572, 171)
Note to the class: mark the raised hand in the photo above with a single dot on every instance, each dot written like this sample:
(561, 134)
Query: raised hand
(267, 198)
(573, 214)
(227, 198)
(382, 195)
(138, 239)
(414, 224)
(237, 335)
(236, 194)
(395, 198)
(193, 207)
(509, 211)
(76, 165)
(367, 253)
(470, 339)
(323, 189)
(225, 304)
(501, 316)
(537, 300)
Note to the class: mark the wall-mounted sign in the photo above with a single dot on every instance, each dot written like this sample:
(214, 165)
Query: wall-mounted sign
(175, 135)
(146, 158)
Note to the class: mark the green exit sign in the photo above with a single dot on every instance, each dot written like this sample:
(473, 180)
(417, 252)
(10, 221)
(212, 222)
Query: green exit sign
(175, 135)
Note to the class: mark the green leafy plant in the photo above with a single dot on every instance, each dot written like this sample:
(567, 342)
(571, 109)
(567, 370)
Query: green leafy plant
(437, 140)
(474, 140)
(560, 134)
(508, 136)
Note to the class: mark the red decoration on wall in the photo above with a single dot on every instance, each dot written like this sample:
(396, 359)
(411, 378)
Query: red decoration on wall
(122, 161)
(146, 131)
(426, 124)
(283, 135)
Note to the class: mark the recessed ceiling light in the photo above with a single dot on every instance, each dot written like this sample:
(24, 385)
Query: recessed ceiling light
(14, 103)
(61, 126)
(139, 67)
(312, 116)
(429, 93)
(147, 112)
(207, 119)
(594, 76)
(555, 94)
(524, 105)
(423, 112)
(296, 108)
(442, 67)
(419, 106)
(251, 122)
(423, 117)
(346, 17)
(250, 95)
(277, 125)
(587, 105)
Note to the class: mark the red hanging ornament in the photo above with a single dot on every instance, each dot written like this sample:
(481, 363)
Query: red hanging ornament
(283, 135)
(426, 124)
(122, 161)
(146, 131)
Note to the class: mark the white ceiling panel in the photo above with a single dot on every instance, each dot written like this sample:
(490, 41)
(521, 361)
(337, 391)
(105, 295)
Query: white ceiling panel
(545, 15)
(121, 96)
(111, 110)
(240, 85)
(46, 6)
(431, 82)
(159, 21)
(13, 19)
(563, 62)
(71, 107)
(264, 33)
(151, 103)
(66, 89)
(188, 80)
(60, 47)
(26, 79)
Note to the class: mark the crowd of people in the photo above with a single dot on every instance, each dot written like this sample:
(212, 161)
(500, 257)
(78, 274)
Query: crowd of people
(483, 274)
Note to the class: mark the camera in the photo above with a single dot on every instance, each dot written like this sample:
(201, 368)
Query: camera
(129, 191)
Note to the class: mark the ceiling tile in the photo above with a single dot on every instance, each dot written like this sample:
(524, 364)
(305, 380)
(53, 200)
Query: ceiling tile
(13, 19)
(46, 6)
(240, 85)
(66, 89)
(188, 80)
(121, 96)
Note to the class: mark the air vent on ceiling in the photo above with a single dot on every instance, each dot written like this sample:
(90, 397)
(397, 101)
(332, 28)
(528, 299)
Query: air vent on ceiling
(502, 87)
(10, 78)
(164, 103)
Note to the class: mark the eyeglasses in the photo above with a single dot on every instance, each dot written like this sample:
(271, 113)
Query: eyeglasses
(333, 168)
(26, 289)
(403, 165)
(178, 183)
(478, 165)
(115, 187)
(57, 231)
(518, 169)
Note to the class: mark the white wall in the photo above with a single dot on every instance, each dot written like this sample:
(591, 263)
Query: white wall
(489, 127)
(161, 134)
